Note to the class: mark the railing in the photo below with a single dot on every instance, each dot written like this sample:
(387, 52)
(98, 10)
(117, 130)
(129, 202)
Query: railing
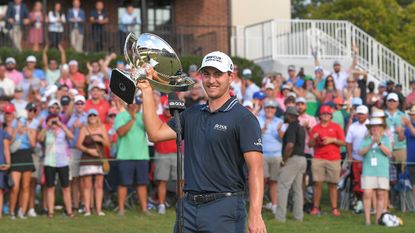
(334, 39)
(185, 39)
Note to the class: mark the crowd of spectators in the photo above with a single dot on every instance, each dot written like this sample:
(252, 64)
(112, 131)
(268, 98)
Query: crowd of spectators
(59, 122)
(18, 21)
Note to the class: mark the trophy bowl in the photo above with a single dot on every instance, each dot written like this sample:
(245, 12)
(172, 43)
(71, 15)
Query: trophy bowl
(149, 50)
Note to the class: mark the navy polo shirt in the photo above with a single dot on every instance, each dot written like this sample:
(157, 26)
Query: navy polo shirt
(214, 144)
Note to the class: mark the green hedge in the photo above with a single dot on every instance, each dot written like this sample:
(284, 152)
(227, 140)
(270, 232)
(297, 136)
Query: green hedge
(83, 58)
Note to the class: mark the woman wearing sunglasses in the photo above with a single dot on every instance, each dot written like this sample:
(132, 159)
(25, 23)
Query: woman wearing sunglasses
(92, 139)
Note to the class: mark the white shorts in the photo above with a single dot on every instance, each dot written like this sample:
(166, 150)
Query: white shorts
(88, 170)
(375, 182)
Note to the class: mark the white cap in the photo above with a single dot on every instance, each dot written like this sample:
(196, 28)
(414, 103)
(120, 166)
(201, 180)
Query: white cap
(31, 58)
(376, 121)
(285, 86)
(362, 109)
(270, 86)
(10, 60)
(43, 99)
(248, 103)
(65, 67)
(300, 100)
(247, 73)
(99, 85)
(54, 101)
(271, 103)
(392, 96)
(73, 91)
(50, 90)
(292, 94)
(378, 113)
(73, 63)
(79, 98)
(218, 60)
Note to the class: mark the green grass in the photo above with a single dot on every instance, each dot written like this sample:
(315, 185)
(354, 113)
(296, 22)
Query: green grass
(135, 222)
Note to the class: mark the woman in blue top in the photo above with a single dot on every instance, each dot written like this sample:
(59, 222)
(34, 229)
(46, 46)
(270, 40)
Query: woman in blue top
(4, 164)
(375, 150)
(410, 143)
(23, 140)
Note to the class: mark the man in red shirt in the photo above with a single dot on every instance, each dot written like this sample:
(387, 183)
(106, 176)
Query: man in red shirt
(77, 78)
(165, 160)
(326, 139)
(97, 101)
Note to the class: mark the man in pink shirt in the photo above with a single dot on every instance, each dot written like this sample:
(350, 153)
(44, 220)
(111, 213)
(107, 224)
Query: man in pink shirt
(410, 99)
(11, 71)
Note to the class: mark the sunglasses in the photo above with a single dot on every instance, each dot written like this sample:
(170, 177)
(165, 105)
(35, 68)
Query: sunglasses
(329, 80)
(112, 115)
(79, 103)
(392, 101)
(92, 115)
(32, 110)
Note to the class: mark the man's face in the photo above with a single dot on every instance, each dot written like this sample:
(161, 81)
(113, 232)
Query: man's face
(291, 73)
(99, 5)
(361, 117)
(130, 10)
(215, 82)
(269, 92)
(31, 65)
(270, 112)
(95, 93)
(10, 66)
(76, 3)
(73, 68)
(95, 67)
(54, 109)
(318, 74)
(79, 106)
(301, 107)
(53, 65)
(392, 105)
(336, 68)
(325, 117)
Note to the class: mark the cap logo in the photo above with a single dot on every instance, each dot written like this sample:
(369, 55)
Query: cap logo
(213, 58)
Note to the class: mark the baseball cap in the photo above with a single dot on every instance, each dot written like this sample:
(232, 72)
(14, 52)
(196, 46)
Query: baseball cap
(356, 101)
(300, 100)
(18, 89)
(112, 110)
(258, 95)
(79, 98)
(292, 94)
(325, 109)
(31, 58)
(362, 109)
(248, 103)
(271, 103)
(382, 84)
(270, 86)
(411, 111)
(73, 63)
(285, 86)
(291, 67)
(218, 60)
(65, 100)
(54, 102)
(30, 106)
(192, 68)
(292, 111)
(10, 60)
(338, 101)
(9, 108)
(390, 82)
(247, 73)
(92, 111)
(392, 96)
(336, 63)
(318, 69)
(98, 85)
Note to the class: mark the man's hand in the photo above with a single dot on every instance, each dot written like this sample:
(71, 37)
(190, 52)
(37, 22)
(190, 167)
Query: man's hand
(256, 224)
(328, 140)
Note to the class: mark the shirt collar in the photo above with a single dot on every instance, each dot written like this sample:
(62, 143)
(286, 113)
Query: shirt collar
(227, 106)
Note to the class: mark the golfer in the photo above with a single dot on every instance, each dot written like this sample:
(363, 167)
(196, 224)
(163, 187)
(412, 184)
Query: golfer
(222, 139)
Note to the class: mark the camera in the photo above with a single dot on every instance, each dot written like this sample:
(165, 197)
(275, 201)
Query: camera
(122, 86)
(54, 122)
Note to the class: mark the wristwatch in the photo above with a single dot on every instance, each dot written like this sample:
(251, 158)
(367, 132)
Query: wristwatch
(379, 143)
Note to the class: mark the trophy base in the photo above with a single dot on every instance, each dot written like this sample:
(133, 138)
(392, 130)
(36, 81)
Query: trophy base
(123, 86)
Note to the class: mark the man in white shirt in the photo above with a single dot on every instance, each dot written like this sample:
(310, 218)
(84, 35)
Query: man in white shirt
(6, 83)
(127, 23)
(355, 134)
(251, 87)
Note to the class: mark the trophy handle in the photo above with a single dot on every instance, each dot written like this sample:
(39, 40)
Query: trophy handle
(130, 42)
(168, 88)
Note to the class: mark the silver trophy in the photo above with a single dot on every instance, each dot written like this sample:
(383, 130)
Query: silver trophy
(149, 50)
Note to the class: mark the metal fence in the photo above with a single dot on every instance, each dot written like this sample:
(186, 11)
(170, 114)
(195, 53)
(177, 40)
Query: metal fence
(185, 39)
(275, 39)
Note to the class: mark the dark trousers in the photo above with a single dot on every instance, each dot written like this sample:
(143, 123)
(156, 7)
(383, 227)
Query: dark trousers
(123, 37)
(98, 37)
(224, 215)
(55, 38)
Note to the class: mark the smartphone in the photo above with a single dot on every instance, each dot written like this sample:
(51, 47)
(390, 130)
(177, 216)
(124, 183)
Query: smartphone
(123, 86)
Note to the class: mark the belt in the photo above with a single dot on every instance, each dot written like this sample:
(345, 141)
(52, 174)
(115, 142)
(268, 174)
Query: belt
(202, 198)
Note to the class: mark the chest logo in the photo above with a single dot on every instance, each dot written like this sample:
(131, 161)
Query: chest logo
(258, 143)
(220, 127)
